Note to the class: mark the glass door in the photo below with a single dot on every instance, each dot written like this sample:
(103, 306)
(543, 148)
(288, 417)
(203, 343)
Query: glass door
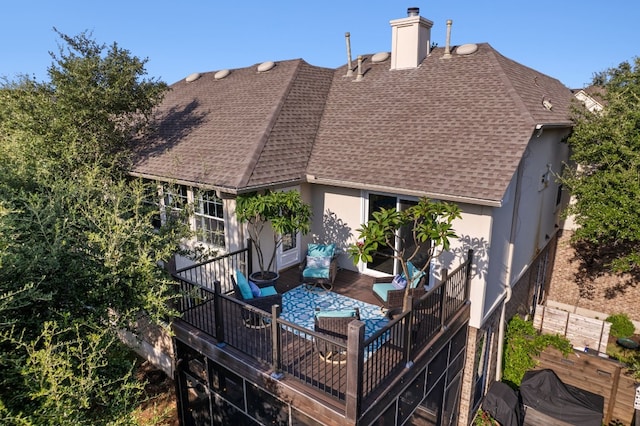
(383, 262)
(289, 251)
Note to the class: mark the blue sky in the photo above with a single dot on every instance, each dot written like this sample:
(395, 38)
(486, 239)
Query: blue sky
(566, 39)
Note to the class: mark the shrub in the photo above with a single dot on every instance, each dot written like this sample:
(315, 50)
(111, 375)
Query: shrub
(522, 344)
(621, 325)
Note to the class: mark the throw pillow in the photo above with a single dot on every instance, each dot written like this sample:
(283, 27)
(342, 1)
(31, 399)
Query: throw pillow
(255, 290)
(321, 250)
(399, 281)
(318, 262)
(243, 285)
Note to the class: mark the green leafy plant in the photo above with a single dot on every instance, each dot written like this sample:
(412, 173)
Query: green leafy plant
(430, 225)
(285, 211)
(483, 418)
(621, 325)
(522, 343)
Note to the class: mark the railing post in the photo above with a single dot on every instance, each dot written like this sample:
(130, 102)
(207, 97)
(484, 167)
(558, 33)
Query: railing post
(443, 297)
(249, 257)
(407, 340)
(467, 278)
(217, 311)
(276, 343)
(355, 365)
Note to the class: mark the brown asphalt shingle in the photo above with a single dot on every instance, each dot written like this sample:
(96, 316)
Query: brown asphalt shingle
(451, 128)
(455, 127)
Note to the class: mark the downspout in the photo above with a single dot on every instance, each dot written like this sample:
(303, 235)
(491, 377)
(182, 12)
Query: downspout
(507, 289)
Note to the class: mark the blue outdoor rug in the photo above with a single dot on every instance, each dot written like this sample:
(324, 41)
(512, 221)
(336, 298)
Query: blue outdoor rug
(299, 306)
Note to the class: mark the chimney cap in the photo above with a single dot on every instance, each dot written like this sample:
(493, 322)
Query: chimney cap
(413, 11)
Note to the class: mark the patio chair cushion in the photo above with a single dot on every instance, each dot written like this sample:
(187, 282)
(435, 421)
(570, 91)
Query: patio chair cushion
(382, 290)
(243, 285)
(343, 313)
(255, 290)
(268, 291)
(415, 273)
(321, 250)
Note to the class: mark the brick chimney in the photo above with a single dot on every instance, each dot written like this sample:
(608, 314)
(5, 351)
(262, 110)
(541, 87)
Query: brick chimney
(410, 40)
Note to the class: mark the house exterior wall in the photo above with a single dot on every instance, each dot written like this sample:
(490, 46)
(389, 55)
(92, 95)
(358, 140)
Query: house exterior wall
(537, 214)
(337, 214)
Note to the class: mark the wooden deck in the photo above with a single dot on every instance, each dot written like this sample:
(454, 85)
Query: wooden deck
(348, 283)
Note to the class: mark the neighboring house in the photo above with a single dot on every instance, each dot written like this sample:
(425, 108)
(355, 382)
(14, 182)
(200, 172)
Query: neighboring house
(461, 123)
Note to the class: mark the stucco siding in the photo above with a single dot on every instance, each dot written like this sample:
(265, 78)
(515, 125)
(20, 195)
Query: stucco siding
(337, 214)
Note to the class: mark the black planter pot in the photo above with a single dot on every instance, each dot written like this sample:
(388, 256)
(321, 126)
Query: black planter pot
(264, 279)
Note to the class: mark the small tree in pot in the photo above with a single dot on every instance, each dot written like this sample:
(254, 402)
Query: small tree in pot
(284, 210)
(430, 225)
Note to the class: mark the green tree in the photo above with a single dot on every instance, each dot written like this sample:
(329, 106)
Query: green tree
(604, 177)
(285, 211)
(79, 257)
(430, 231)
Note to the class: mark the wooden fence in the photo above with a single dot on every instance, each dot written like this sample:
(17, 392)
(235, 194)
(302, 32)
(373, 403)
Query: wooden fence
(581, 331)
(599, 375)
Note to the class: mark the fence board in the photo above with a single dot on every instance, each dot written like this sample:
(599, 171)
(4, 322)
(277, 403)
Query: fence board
(581, 331)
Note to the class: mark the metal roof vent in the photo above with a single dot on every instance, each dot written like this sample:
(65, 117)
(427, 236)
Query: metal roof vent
(380, 57)
(192, 77)
(413, 11)
(266, 66)
(467, 49)
(221, 74)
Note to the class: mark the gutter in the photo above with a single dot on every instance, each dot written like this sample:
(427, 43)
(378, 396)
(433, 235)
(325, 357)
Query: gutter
(507, 288)
(394, 190)
(218, 188)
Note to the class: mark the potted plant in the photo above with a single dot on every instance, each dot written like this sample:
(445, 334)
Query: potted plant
(285, 211)
(429, 223)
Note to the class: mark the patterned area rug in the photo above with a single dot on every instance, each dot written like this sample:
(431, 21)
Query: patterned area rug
(299, 305)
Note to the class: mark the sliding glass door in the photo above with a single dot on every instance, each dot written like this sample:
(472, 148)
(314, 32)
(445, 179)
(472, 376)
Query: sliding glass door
(383, 262)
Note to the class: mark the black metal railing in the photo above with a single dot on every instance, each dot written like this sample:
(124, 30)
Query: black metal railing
(217, 269)
(291, 349)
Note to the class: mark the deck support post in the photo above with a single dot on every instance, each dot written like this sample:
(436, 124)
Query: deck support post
(355, 365)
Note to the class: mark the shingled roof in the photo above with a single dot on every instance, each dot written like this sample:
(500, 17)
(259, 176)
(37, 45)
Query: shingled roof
(453, 128)
(247, 130)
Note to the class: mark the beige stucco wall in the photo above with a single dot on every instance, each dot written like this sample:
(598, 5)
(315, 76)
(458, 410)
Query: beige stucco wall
(337, 214)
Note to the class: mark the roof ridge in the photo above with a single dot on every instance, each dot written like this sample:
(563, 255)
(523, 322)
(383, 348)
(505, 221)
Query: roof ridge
(274, 116)
(511, 89)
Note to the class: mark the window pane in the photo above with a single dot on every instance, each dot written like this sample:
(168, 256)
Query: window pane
(381, 262)
(209, 219)
(289, 241)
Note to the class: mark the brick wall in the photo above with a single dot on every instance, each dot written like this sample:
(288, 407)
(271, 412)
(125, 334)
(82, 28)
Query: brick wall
(607, 293)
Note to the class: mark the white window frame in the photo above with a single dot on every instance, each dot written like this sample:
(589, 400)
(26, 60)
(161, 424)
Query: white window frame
(203, 219)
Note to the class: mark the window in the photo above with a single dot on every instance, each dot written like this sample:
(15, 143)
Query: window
(209, 217)
(483, 348)
(152, 200)
(174, 201)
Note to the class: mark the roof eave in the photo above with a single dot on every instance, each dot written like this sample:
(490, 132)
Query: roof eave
(394, 190)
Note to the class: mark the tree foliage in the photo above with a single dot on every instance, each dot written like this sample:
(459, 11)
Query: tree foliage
(284, 211)
(430, 225)
(522, 343)
(78, 253)
(604, 178)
